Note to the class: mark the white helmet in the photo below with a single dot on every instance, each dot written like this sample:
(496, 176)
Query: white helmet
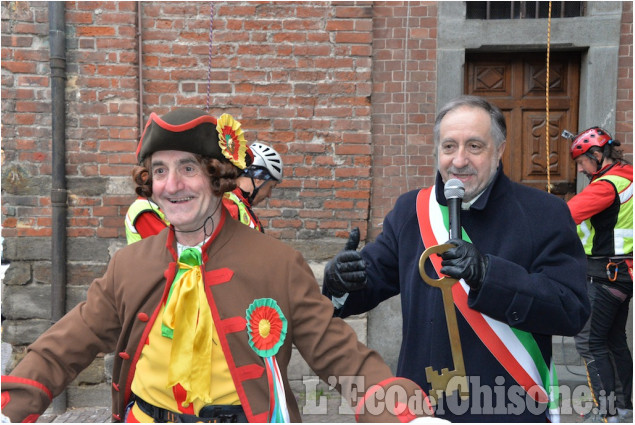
(266, 157)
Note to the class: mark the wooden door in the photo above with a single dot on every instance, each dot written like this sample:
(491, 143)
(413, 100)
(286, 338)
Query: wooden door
(515, 82)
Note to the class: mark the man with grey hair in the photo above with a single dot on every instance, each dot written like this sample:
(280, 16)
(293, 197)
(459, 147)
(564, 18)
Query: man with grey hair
(520, 268)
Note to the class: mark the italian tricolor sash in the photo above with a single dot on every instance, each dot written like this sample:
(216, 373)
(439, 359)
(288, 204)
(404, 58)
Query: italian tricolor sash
(516, 350)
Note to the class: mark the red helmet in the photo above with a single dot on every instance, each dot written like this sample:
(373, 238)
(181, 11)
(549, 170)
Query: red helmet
(594, 136)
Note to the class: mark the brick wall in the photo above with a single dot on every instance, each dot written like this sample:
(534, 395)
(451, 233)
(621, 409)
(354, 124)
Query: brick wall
(624, 107)
(101, 129)
(403, 101)
(297, 75)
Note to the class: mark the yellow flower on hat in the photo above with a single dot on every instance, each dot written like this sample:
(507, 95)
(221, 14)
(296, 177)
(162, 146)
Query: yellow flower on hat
(231, 140)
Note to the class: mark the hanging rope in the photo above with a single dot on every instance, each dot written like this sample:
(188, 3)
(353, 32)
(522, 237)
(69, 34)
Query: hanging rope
(547, 102)
(209, 68)
(405, 95)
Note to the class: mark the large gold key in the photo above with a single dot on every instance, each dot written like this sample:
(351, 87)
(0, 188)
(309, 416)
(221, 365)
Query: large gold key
(447, 381)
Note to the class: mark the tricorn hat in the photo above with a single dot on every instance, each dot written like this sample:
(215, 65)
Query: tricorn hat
(192, 130)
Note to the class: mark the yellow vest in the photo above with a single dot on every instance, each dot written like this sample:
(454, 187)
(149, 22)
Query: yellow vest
(138, 207)
(623, 229)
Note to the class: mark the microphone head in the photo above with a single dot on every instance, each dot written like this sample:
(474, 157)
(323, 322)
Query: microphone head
(453, 189)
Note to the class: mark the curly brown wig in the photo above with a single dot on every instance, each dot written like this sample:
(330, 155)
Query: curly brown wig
(222, 174)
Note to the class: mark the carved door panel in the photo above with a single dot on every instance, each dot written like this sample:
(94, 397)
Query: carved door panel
(515, 82)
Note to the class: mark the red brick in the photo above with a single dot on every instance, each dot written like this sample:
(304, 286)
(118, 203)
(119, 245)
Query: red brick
(104, 232)
(94, 31)
(352, 194)
(80, 232)
(353, 12)
(74, 17)
(351, 172)
(340, 25)
(338, 205)
(34, 233)
(19, 67)
(9, 222)
(286, 223)
(333, 224)
(353, 37)
(17, 41)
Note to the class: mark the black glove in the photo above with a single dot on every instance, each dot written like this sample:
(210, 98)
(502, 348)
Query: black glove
(346, 271)
(464, 262)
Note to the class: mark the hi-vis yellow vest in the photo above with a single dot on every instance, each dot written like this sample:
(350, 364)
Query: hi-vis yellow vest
(623, 229)
(138, 207)
(243, 214)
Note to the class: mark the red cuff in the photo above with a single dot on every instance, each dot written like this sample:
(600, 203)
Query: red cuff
(400, 410)
(25, 381)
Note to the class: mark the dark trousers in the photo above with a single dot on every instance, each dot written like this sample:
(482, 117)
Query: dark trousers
(603, 345)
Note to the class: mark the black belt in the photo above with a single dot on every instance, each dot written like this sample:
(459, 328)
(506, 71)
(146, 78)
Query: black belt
(208, 414)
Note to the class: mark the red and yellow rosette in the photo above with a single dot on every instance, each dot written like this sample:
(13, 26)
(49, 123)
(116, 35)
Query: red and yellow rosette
(267, 329)
(232, 141)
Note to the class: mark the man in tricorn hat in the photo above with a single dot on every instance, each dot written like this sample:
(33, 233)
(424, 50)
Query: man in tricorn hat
(202, 317)
(144, 217)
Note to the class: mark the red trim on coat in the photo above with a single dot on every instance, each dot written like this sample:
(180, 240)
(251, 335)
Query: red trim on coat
(233, 324)
(169, 275)
(31, 418)
(220, 225)
(169, 243)
(142, 341)
(250, 371)
(405, 416)
(218, 276)
(6, 398)
(25, 381)
(239, 374)
(372, 390)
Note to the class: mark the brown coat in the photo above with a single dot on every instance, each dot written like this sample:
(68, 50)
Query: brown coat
(241, 265)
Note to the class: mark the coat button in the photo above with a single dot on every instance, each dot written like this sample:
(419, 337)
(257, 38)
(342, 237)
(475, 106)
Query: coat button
(515, 315)
(143, 317)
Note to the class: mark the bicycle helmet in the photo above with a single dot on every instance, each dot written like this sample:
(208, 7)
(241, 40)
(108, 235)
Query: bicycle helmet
(266, 157)
(594, 136)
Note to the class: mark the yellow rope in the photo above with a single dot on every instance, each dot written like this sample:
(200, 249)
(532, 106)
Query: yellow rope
(547, 102)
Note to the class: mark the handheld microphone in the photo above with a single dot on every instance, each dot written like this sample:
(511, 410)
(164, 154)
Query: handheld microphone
(454, 191)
